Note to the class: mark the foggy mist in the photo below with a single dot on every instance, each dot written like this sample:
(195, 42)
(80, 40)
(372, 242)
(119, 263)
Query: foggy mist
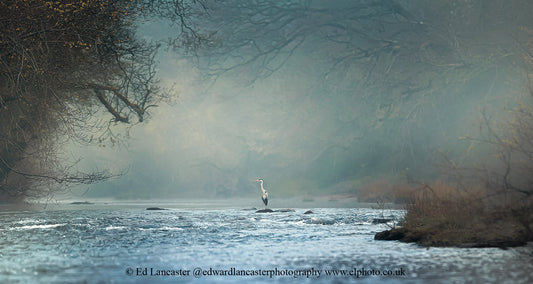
(352, 93)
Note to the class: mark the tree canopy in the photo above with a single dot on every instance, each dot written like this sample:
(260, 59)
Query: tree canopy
(61, 64)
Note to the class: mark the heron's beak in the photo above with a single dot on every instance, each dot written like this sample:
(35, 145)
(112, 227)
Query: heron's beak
(256, 180)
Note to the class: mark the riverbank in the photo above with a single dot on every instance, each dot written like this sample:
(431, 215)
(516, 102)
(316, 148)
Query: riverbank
(454, 238)
(443, 216)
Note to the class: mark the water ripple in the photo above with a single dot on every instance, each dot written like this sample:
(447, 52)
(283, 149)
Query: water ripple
(98, 245)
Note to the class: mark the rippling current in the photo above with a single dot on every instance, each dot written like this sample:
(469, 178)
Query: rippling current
(132, 245)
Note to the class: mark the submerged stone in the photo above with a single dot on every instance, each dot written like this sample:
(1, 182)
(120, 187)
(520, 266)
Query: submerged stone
(155, 208)
(317, 221)
(309, 212)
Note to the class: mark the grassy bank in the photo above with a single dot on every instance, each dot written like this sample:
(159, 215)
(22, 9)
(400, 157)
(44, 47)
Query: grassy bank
(442, 215)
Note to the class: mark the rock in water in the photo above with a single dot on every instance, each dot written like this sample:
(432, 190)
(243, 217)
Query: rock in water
(380, 220)
(391, 235)
(317, 221)
(286, 210)
(309, 212)
(81, 203)
(155, 208)
(266, 210)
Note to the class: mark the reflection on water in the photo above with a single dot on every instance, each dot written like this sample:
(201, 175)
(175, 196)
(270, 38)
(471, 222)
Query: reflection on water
(107, 243)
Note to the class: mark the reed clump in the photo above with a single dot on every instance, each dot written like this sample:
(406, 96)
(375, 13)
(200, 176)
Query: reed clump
(443, 215)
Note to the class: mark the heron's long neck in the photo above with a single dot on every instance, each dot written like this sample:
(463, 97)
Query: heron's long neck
(262, 188)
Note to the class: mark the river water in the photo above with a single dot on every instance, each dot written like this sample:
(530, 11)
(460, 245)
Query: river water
(129, 244)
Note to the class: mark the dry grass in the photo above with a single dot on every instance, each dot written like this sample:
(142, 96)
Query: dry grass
(440, 200)
(443, 215)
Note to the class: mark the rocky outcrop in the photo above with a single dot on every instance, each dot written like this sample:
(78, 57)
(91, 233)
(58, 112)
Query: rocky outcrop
(390, 235)
(443, 239)
(381, 220)
(266, 210)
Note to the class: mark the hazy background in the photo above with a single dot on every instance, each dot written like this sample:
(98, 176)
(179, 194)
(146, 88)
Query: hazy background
(339, 109)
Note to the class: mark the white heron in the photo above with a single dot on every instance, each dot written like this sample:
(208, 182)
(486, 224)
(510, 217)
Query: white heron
(264, 197)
